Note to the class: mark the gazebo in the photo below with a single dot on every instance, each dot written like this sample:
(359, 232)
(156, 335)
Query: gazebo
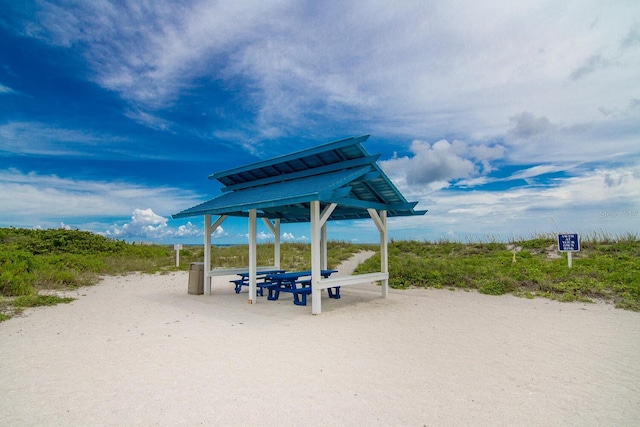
(339, 180)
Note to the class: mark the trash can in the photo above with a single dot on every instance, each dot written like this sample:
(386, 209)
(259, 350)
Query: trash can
(196, 278)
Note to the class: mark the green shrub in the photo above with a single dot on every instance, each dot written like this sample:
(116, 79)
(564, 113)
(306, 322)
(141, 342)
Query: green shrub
(16, 273)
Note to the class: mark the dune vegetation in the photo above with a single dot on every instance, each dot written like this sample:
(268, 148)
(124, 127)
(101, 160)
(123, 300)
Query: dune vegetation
(607, 268)
(37, 266)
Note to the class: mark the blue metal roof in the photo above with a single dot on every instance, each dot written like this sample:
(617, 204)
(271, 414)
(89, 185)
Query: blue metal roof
(339, 172)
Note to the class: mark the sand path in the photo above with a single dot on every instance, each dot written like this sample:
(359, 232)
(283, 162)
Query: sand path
(138, 350)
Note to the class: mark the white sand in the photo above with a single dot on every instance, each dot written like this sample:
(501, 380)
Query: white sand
(138, 350)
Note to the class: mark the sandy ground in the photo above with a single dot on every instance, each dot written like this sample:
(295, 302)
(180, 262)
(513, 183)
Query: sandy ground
(138, 350)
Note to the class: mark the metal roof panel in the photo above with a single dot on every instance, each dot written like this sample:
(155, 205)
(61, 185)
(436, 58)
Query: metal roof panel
(338, 172)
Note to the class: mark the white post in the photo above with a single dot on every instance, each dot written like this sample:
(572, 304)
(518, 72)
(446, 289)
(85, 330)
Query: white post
(384, 253)
(380, 219)
(253, 262)
(569, 258)
(207, 254)
(323, 246)
(276, 245)
(316, 302)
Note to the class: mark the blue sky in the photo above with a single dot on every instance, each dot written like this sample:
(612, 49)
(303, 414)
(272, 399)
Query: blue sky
(503, 119)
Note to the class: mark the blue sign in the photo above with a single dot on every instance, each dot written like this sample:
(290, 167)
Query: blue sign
(568, 243)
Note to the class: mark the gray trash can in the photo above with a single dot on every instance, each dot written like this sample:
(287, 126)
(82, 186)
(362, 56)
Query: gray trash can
(196, 278)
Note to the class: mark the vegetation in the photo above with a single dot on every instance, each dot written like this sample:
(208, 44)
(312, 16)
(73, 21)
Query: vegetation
(606, 268)
(36, 263)
(33, 261)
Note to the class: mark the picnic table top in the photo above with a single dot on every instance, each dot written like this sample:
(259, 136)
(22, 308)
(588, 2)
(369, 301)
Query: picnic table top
(293, 275)
(262, 273)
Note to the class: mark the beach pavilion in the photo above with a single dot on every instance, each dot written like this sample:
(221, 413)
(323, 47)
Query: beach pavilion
(339, 180)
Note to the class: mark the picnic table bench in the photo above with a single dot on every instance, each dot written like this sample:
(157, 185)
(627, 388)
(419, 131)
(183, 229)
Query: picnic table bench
(244, 280)
(290, 282)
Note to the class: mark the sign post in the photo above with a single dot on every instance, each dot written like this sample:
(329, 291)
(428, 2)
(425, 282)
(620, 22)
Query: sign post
(177, 248)
(568, 243)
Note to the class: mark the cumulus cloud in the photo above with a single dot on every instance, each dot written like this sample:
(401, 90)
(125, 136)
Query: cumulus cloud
(262, 235)
(146, 224)
(291, 237)
(526, 125)
(441, 162)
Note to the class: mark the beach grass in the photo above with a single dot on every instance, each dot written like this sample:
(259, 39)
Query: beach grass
(33, 262)
(605, 269)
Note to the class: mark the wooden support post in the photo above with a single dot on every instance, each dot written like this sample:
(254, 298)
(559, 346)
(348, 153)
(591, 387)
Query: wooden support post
(253, 261)
(316, 302)
(384, 253)
(323, 246)
(276, 244)
(207, 254)
(380, 219)
(318, 220)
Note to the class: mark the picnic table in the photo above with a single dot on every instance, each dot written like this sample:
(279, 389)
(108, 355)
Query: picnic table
(292, 283)
(261, 275)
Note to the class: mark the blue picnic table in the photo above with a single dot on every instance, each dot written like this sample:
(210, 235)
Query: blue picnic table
(261, 275)
(292, 283)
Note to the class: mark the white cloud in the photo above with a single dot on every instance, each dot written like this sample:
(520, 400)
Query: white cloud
(526, 126)
(539, 85)
(292, 238)
(159, 48)
(145, 224)
(535, 171)
(264, 236)
(602, 200)
(418, 68)
(218, 232)
(5, 89)
(536, 139)
(148, 120)
(433, 166)
(30, 198)
(43, 139)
